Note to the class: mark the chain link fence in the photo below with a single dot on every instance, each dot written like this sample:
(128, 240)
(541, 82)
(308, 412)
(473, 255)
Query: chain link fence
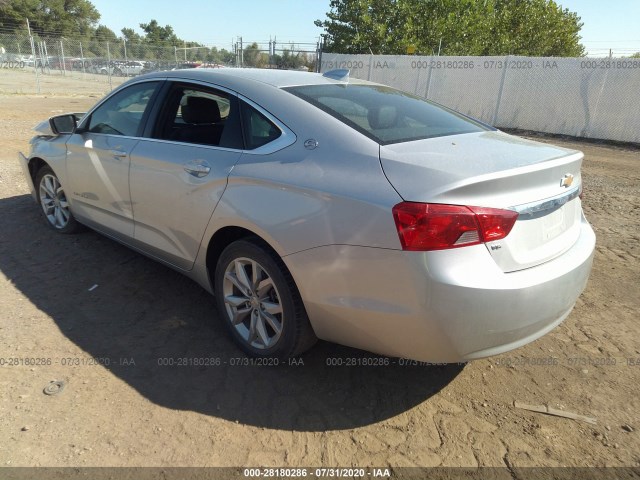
(111, 62)
(581, 97)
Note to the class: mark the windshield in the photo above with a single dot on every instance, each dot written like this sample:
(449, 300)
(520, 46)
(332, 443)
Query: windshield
(384, 114)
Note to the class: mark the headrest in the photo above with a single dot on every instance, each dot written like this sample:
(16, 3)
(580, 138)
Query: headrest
(382, 117)
(201, 110)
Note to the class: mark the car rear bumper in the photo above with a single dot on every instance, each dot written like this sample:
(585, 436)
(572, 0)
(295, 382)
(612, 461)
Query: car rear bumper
(442, 306)
(24, 163)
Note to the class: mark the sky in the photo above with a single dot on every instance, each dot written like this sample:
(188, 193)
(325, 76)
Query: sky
(221, 22)
(608, 25)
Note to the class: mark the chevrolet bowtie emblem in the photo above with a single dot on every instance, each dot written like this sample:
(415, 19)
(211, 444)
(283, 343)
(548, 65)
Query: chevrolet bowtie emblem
(567, 180)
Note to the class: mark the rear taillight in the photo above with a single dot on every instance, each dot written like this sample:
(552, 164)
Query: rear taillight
(433, 226)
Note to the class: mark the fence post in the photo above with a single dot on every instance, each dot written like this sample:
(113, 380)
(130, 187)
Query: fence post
(64, 68)
(415, 90)
(35, 63)
(426, 95)
(46, 57)
(499, 100)
(82, 60)
(589, 119)
(109, 66)
(43, 57)
(318, 56)
(33, 55)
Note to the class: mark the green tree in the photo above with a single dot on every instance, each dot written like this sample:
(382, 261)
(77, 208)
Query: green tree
(97, 46)
(222, 56)
(364, 26)
(68, 18)
(105, 34)
(536, 28)
(160, 41)
(136, 48)
(131, 36)
(159, 36)
(253, 57)
(290, 60)
(452, 27)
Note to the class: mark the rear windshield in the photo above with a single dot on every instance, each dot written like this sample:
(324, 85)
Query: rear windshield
(384, 114)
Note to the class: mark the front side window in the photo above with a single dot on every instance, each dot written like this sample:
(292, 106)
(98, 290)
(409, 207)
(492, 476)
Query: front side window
(384, 114)
(122, 113)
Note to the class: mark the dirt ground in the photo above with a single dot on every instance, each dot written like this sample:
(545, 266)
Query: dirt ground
(122, 406)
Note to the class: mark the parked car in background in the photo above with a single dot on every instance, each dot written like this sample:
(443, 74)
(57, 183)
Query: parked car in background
(119, 68)
(13, 60)
(98, 65)
(129, 68)
(63, 63)
(81, 64)
(318, 206)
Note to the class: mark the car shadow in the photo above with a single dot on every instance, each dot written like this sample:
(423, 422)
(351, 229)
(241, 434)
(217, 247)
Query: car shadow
(157, 330)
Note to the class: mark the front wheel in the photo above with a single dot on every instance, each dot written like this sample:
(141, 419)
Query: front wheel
(53, 200)
(259, 302)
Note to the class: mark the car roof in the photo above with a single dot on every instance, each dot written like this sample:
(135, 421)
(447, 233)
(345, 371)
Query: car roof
(275, 78)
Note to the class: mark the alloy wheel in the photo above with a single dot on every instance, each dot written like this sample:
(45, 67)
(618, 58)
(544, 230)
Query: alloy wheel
(54, 201)
(252, 303)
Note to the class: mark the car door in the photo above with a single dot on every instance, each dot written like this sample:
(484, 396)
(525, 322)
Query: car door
(98, 159)
(179, 170)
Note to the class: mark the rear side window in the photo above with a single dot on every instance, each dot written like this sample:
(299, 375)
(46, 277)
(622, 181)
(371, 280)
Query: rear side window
(122, 113)
(258, 129)
(384, 114)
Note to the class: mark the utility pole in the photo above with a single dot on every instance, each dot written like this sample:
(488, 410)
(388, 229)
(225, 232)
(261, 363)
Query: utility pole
(319, 53)
(241, 54)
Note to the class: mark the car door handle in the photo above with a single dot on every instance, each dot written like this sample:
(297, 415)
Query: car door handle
(118, 153)
(197, 168)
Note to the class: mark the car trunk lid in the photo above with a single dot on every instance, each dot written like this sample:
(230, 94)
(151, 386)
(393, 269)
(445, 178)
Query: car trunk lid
(493, 169)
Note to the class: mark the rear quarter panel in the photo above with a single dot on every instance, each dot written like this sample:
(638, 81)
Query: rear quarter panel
(299, 198)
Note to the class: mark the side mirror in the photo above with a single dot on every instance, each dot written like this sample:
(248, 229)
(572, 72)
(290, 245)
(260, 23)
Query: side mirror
(64, 124)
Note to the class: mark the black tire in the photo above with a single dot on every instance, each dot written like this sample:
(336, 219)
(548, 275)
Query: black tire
(58, 201)
(296, 334)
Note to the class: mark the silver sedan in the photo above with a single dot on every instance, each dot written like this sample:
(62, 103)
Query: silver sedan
(318, 206)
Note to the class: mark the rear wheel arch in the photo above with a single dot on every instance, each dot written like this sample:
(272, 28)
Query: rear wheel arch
(298, 335)
(224, 237)
(229, 234)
